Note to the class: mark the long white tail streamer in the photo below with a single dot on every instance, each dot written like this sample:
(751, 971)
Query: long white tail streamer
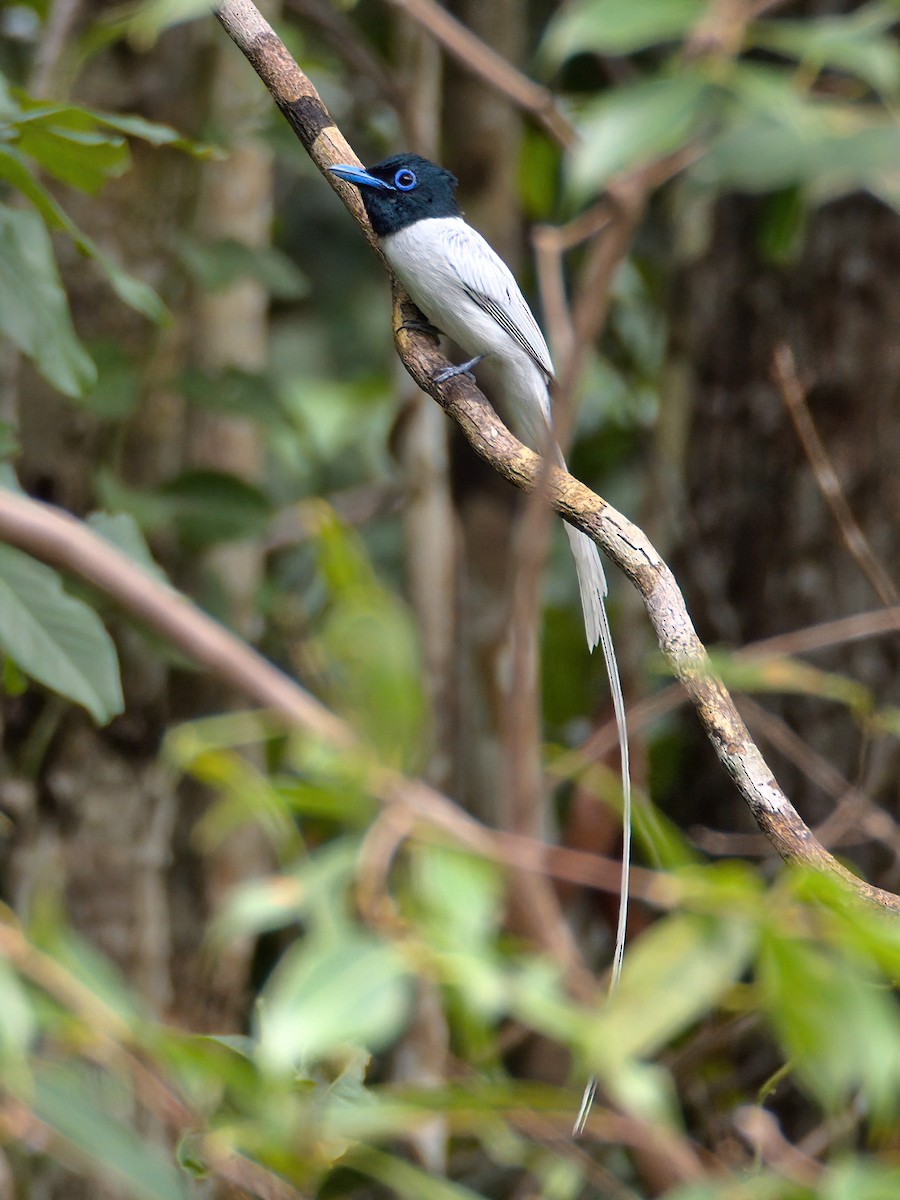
(615, 684)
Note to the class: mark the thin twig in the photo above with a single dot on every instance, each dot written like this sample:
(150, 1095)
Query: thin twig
(343, 35)
(822, 636)
(479, 58)
(794, 396)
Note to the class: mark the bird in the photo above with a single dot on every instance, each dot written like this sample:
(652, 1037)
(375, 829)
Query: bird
(466, 291)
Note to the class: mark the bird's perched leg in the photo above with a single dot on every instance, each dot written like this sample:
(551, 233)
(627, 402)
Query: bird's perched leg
(463, 369)
(421, 324)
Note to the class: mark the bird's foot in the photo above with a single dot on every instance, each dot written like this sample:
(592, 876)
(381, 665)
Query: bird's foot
(463, 369)
(421, 325)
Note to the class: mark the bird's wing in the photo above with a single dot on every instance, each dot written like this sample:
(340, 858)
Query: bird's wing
(491, 285)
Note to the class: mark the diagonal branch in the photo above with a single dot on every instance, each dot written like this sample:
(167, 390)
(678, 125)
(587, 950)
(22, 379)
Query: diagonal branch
(57, 538)
(624, 542)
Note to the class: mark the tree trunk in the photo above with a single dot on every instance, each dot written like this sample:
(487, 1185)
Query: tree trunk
(760, 552)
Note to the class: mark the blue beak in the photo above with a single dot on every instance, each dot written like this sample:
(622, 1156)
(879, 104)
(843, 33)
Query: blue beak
(359, 177)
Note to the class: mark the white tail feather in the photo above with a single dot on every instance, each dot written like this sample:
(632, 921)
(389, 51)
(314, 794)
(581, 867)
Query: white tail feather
(592, 586)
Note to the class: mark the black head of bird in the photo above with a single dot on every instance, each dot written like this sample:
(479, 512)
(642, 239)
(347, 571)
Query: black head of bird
(402, 190)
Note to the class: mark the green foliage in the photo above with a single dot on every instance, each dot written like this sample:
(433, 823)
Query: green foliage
(57, 640)
(377, 934)
(34, 312)
(746, 126)
(617, 27)
(82, 149)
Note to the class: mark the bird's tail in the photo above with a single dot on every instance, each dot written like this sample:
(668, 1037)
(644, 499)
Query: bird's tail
(592, 586)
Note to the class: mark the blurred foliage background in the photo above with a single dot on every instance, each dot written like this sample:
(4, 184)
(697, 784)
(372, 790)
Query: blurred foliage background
(226, 968)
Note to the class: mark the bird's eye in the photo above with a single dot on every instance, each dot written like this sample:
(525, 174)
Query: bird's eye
(405, 179)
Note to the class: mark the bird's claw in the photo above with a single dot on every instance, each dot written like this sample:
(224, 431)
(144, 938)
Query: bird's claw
(421, 325)
(462, 369)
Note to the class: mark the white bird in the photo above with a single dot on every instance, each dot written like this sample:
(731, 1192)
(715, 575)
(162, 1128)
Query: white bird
(467, 292)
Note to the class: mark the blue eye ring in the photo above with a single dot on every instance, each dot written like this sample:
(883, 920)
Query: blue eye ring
(405, 179)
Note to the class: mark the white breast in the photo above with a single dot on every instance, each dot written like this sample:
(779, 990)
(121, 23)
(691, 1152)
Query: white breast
(442, 261)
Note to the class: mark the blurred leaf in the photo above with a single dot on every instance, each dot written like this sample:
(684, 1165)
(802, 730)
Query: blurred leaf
(635, 124)
(860, 1180)
(115, 393)
(406, 1180)
(337, 422)
(57, 640)
(245, 797)
(144, 22)
(231, 390)
(212, 506)
(75, 956)
(837, 1022)
(154, 133)
(205, 507)
(372, 648)
(617, 26)
(221, 263)
(761, 1185)
(859, 43)
(789, 675)
(463, 895)
(68, 146)
(778, 137)
(122, 531)
(149, 509)
(133, 292)
(323, 997)
(674, 973)
(19, 1028)
(34, 311)
(15, 681)
(209, 1069)
(374, 670)
(310, 889)
(9, 441)
(70, 1100)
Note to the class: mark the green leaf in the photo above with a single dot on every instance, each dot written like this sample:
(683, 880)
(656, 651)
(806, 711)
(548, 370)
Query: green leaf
(212, 506)
(151, 18)
(131, 291)
(56, 639)
(859, 43)
(18, 1029)
(206, 507)
(860, 1180)
(9, 441)
(836, 1020)
(236, 392)
(404, 1179)
(154, 133)
(634, 125)
(617, 26)
(778, 137)
(122, 531)
(34, 312)
(326, 995)
(82, 158)
(72, 1102)
(372, 647)
(462, 895)
(219, 264)
(674, 974)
